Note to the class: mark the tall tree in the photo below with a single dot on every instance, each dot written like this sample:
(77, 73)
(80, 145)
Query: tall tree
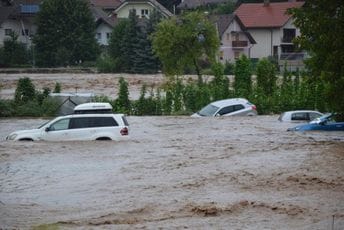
(321, 23)
(181, 43)
(65, 34)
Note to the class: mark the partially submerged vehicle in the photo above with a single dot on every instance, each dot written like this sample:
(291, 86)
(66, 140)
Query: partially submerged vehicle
(299, 116)
(228, 107)
(90, 121)
(323, 123)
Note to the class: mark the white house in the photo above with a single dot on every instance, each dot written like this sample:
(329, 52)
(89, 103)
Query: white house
(18, 17)
(272, 28)
(235, 41)
(143, 8)
(104, 25)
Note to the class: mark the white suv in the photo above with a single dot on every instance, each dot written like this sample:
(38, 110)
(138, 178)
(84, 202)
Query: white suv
(85, 124)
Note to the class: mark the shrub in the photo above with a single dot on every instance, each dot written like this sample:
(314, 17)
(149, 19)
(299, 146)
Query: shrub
(25, 91)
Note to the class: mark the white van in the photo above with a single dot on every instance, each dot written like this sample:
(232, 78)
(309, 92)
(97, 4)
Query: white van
(88, 123)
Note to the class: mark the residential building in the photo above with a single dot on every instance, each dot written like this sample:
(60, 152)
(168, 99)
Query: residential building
(272, 28)
(235, 41)
(106, 5)
(143, 8)
(104, 25)
(18, 17)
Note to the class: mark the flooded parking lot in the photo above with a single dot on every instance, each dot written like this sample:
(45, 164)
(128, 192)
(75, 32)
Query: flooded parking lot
(176, 172)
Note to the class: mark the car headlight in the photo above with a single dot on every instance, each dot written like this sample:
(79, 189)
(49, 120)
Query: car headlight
(11, 136)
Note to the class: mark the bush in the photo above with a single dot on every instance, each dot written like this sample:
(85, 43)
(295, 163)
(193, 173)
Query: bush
(25, 91)
(107, 64)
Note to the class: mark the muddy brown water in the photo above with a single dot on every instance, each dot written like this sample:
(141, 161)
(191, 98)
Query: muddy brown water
(176, 173)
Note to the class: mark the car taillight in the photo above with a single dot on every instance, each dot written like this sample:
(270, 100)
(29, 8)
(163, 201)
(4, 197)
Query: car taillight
(124, 131)
(254, 107)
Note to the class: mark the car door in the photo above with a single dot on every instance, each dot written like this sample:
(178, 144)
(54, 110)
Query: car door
(225, 111)
(57, 131)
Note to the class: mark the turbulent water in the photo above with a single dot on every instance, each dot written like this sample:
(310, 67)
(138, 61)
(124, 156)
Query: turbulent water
(176, 172)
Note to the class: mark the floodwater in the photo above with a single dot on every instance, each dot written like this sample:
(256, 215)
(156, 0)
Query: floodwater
(176, 173)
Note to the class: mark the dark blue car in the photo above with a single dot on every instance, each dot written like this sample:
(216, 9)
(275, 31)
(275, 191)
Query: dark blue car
(325, 123)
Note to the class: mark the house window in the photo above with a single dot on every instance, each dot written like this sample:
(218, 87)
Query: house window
(237, 54)
(144, 13)
(99, 36)
(8, 32)
(108, 36)
(235, 36)
(25, 32)
(227, 36)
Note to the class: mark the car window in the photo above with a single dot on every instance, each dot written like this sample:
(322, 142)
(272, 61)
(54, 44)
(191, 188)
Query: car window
(299, 116)
(312, 116)
(91, 122)
(60, 125)
(238, 107)
(209, 110)
(226, 110)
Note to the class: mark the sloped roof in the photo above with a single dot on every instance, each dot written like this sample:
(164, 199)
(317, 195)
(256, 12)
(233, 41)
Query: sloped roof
(106, 4)
(190, 4)
(223, 21)
(100, 16)
(155, 3)
(257, 15)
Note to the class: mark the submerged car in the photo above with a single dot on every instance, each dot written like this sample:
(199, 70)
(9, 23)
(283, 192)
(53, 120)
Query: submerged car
(299, 116)
(323, 123)
(228, 107)
(87, 123)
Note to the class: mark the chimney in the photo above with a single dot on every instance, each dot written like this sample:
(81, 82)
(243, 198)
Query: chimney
(266, 2)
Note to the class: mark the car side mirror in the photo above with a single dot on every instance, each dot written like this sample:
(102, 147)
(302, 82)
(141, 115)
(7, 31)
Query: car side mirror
(47, 129)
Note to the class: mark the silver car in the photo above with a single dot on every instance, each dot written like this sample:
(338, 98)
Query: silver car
(299, 116)
(228, 107)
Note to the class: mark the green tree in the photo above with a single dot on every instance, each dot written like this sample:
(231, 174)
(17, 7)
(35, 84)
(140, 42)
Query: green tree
(266, 76)
(243, 72)
(65, 34)
(14, 52)
(325, 45)
(25, 91)
(122, 103)
(181, 42)
(115, 43)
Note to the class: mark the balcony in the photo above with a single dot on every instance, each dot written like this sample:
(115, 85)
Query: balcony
(292, 56)
(239, 44)
(287, 39)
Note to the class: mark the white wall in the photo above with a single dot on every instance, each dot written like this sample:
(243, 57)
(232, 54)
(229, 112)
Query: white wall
(226, 40)
(268, 38)
(16, 26)
(124, 11)
(103, 29)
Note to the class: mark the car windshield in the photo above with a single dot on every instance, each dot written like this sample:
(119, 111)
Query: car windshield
(209, 110)
(327, 117)
(43, 124)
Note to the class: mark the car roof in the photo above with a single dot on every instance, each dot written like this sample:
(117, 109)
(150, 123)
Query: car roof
(231, 101)
(303, 111)
(93, 106)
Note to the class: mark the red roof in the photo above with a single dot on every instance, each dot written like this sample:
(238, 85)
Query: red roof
(256, 15)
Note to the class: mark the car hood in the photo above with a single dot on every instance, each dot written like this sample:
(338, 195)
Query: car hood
(23, 133)
(196, 115)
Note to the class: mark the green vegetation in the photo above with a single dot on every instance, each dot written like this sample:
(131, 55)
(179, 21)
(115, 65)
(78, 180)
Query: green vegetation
(13, 53)
(322, 35)
(29, 102)
(181, 43)
(65, 34)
